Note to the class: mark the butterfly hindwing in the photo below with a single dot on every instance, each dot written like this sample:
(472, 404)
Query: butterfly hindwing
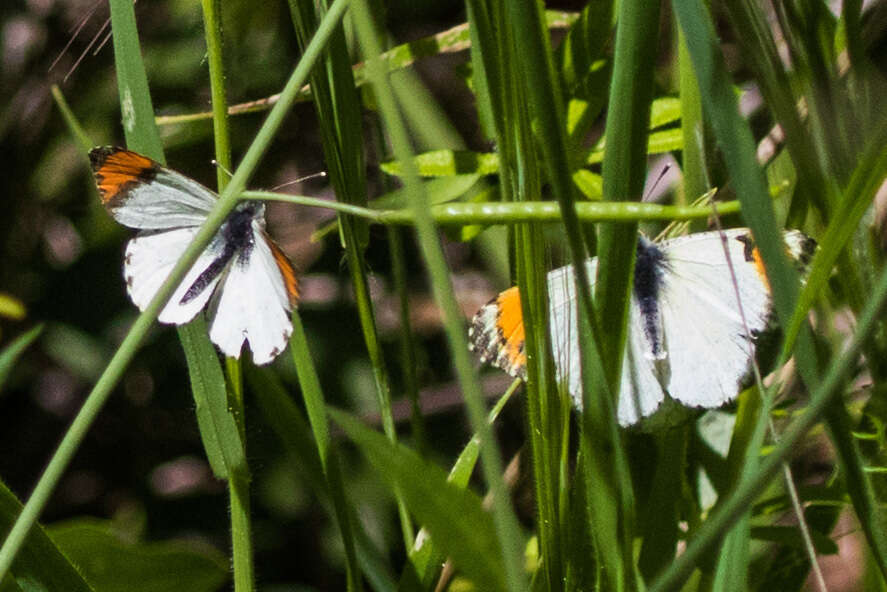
(253, 303)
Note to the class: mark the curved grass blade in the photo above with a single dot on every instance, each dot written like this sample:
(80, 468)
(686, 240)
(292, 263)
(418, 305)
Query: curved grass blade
(13, 350)
(40, 564)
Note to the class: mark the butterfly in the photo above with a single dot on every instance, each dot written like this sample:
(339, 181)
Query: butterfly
(243, 279)
(686, 340)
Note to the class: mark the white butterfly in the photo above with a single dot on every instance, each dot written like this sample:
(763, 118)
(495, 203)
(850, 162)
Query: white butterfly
(243, 278)
(686, 336)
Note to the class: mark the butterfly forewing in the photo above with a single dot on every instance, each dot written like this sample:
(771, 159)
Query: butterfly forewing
(140, 193)
(709, 347)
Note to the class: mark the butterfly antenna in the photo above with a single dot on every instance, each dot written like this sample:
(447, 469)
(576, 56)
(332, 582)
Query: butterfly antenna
(662, 172)
(74, 34)
(88, 47)
(787, 472)
(318, 175)
(104, 42)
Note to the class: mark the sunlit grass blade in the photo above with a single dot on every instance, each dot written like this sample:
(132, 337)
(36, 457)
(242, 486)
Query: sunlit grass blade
(218, 428)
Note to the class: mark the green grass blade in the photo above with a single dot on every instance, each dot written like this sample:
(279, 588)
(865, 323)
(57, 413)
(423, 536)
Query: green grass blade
(71, 120)
(408, 362)
(693, 131)
(336, 102)
(754, 35)
(738, 148)
(659, 516)
(136, 110)
(314, 404)
(855, 202)
(218, 427)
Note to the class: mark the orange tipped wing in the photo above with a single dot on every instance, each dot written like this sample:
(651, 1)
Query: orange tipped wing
(118, 170)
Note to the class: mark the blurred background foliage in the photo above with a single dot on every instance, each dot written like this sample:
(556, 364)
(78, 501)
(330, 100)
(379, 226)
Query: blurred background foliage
(141, 474)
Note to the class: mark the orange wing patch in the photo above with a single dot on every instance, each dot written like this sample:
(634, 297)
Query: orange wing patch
(286, 270)
(497, 332)
(117, 170)
(752, 255)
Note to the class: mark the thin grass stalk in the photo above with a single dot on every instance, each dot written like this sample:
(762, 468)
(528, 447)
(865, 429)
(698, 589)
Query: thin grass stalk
(505, 521)
(238, 481)
(407, 345)
(127, 349)
(487, 214)
(338, 108)
(71, 120)
(523, 178)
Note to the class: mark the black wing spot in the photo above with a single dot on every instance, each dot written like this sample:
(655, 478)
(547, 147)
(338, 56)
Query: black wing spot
(749, 247)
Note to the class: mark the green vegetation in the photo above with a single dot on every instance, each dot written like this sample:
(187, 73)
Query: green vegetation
(508, 141)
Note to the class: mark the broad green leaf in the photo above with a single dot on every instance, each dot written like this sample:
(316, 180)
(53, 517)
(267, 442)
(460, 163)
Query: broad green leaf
(458, 524)
(113, 565)
(40, 564)
(664, 110)
(669, 140)
(440, 163)
(218, 429)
